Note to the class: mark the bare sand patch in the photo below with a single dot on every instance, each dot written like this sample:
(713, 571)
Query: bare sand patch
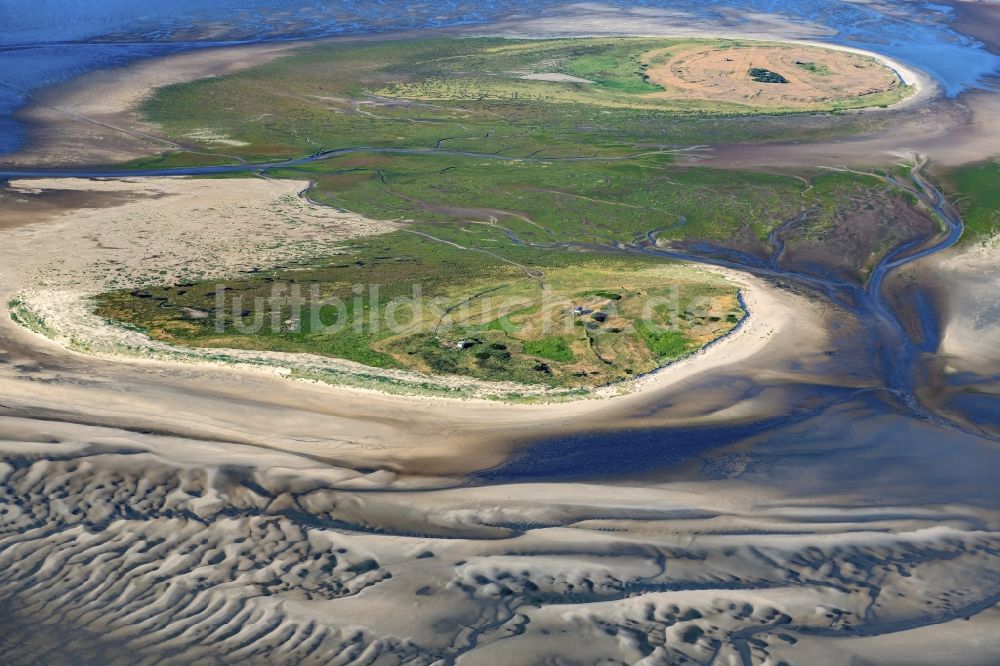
(816, 77)
(554, 77)
(94, 119)
(971, 338)
(166, 230)
(164, 226)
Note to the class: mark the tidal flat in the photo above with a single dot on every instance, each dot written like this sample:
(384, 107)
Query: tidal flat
(812, 483)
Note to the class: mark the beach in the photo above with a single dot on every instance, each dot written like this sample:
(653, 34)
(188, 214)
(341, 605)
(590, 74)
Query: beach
(162, 229)
(95, 119)
(226, 508)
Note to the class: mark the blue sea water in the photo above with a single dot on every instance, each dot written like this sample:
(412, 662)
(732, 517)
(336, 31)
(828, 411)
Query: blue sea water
(45, 42)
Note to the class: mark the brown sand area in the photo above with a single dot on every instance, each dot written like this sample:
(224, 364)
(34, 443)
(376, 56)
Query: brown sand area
(816, 77)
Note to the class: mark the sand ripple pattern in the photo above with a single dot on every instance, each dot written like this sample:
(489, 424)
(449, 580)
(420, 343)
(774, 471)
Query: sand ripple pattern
(111, 554)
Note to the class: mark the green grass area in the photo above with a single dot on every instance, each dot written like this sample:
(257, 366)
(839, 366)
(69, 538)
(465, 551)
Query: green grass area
(485, 203)
(459, 94)
(402, 302)
(815, 68)
(617, 67)
(554, 348)
(523, 209)
(665, 343)
(976, 190)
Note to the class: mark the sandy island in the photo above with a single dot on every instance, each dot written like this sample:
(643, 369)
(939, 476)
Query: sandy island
(152, 229)
(135, 239)
(200, 511)
(165, 229)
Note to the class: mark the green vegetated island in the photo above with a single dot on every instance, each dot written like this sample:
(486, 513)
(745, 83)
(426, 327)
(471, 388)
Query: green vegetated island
(533, 182)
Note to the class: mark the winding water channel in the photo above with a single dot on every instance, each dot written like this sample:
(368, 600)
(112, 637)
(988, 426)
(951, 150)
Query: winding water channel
(880, 343)
(873, 336)
(818, 479)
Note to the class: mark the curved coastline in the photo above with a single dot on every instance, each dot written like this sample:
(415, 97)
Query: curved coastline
(106, 100)
(740, 343)
(211, 62)
(275, 522)
(924, 84)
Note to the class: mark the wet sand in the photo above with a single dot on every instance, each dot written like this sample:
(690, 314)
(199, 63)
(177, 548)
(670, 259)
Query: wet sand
(952, 132)
(170, 513)
(220, 549)
(18, 208)
(163, 229)
(94, 120)
(978, 18)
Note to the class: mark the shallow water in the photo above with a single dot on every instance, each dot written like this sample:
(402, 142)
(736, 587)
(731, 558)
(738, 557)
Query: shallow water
(889, 336)
(47, 42)
(892, 335)
(857, 482)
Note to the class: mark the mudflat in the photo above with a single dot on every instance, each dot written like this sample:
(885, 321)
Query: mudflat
(815, 487)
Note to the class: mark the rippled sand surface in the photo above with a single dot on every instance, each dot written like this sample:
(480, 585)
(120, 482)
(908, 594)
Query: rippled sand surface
(769, 502)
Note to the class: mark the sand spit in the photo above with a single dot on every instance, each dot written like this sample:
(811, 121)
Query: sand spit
(175, 230)
(93, 120)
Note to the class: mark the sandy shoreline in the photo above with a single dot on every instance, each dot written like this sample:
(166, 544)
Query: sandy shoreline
(93, 120)
(162, 231)
(183, 513)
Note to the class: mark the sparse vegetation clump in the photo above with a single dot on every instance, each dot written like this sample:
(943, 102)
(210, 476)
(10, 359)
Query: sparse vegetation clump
(761, 75)
(976, 189)
(813, 67)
